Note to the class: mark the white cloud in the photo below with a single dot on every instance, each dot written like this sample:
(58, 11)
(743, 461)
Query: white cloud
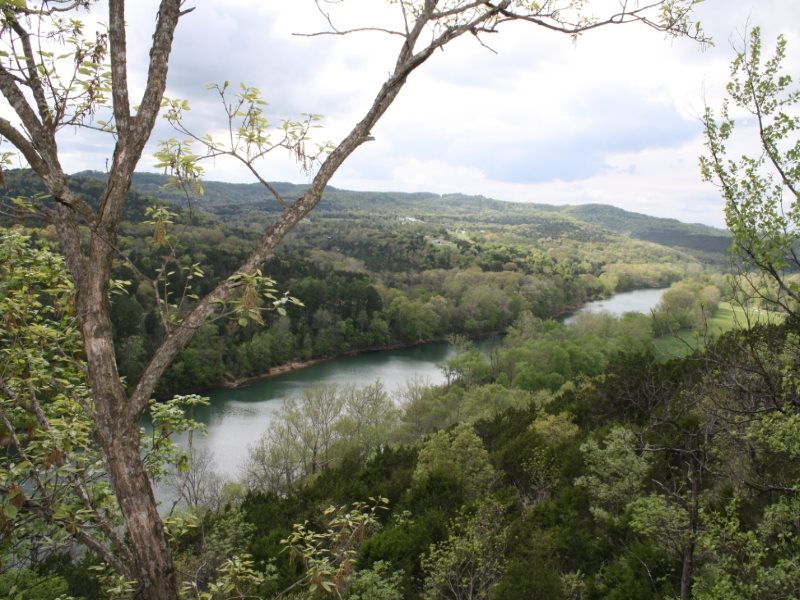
(612, 118)
(662, 182)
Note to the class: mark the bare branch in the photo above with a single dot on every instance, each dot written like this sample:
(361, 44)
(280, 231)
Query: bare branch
(349, 31)
(119, 67)
(33, 80)
(23, 144)
(9, 87)
(554, 21)
(336, 31)
(127, 153)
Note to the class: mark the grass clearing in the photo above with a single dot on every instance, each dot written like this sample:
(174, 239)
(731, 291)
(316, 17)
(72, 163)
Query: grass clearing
(726, 317)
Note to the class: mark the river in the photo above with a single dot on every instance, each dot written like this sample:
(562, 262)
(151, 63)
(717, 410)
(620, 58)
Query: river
(236, 418)
(619, 304)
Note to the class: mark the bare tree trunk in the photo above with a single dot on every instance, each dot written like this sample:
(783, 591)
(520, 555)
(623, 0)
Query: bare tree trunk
(687, 572)
(153, 566)
(118, 424)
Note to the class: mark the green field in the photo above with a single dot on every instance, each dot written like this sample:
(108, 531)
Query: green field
(726, 317)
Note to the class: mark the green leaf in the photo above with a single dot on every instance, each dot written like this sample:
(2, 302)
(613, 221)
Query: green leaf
(10, 511)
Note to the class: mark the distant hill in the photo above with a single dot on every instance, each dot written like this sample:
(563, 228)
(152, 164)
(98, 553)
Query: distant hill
(667, 232)
(237, 201)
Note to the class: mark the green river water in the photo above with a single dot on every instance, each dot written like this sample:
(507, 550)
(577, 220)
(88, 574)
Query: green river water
(237, 418)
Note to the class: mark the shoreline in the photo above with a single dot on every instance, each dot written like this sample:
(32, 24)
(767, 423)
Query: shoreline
(232, 383)
(299, 365)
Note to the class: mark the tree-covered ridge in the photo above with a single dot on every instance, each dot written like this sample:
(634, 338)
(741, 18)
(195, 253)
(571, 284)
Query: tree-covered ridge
(231, 199)
(669, 232)
(365, 280)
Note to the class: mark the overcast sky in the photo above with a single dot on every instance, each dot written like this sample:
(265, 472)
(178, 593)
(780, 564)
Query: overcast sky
(611, 118)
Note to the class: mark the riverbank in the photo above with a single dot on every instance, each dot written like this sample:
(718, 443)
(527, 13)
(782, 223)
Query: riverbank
(232, 383)
(238, 417)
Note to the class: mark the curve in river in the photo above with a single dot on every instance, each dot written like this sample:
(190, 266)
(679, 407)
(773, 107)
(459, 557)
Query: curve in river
(619, 304)
(236, 418)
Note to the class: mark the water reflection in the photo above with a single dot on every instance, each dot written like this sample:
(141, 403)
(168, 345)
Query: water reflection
(237, 418)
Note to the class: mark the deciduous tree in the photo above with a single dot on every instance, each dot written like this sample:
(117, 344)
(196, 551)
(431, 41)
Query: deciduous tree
(47, 91)
(762, 188)
(469, 563)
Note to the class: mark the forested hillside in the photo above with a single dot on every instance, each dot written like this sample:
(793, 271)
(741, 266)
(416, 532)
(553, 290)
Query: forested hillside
(369, 271)
(231, 200)
(555, 450)
(568, 463)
